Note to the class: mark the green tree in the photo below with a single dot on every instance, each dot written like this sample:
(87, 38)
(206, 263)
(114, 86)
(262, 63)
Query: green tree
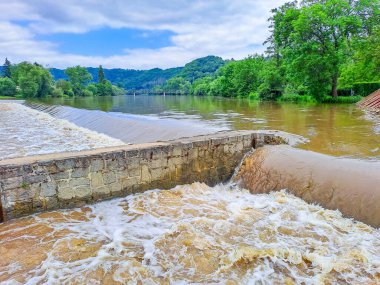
(93, 88)
(364, 65)
(33, 80)
(315, 38)
(177, 85)
(101, 77)
(7, 87)
(7, 68)
(78, 77)
(65, 86)
(104, 88)
(239, 78)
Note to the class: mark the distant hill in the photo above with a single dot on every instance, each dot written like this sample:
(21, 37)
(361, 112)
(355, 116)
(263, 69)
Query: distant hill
(128, 78)
(131, 79)
(201, 67)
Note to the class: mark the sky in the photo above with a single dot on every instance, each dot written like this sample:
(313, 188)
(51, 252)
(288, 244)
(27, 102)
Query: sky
(135, 34)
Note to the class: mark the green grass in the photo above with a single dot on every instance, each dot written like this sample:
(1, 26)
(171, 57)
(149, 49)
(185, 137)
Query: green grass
(341, 99)
(7, 98)
(296, 98)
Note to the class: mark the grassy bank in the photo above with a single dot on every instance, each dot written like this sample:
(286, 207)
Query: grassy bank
(7, 98)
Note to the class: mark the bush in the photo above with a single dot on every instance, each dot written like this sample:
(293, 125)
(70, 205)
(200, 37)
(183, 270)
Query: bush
(365, 88)
(87, 93)
(341, 99)
(57, 92)
(267, 93)
(7, 87)
(296, 98)
(117, 91)
(254, 96)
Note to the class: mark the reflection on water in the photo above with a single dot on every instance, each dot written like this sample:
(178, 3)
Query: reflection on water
(191, 234)
(332, 129)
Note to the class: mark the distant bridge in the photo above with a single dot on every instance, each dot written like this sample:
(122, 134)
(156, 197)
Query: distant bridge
(153, 92)
(371, 102)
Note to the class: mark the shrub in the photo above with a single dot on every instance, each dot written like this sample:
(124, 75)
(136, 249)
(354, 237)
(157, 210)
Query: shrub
(365, 88)
(254, 96)
(7, 87)
(87, 93)
(57, 92)
(296, 98)
(341, 99)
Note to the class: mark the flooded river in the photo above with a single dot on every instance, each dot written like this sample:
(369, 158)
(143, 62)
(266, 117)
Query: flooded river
(339, 130)
(192, 234)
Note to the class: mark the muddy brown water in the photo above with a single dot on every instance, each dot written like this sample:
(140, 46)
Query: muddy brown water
(339, 130)
(212, 235)
(350, 185)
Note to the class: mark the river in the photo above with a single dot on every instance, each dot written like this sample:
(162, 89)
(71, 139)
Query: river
(339, 130)
(193, 234)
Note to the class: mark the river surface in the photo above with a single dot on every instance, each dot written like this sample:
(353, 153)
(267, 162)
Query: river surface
(340, 130)
(192, 234)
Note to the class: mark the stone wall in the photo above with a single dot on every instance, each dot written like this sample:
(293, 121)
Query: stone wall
(47, 182)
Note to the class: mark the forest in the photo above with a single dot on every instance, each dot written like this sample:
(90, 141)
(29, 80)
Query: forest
(27, 80)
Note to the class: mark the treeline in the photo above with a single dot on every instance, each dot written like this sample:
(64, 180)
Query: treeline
(26, 80)
(317, 50)
(133, 80)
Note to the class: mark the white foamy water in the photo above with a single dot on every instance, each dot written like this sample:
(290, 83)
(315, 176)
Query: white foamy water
(24, 131)
(192, 234)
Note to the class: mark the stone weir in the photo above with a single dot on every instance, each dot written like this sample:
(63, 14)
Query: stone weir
(55, 181)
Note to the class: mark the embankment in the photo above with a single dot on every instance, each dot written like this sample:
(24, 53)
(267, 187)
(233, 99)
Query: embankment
(349, 185)
(62, 180)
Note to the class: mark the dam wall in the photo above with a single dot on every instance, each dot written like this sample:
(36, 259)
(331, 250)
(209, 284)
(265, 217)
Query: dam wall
(72, 179)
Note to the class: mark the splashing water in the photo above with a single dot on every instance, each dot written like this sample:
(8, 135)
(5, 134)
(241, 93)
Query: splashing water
(24, 131)
(191, 234)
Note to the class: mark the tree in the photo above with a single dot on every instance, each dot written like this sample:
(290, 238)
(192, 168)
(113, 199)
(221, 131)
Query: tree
(7, 69)
(65, 86)
(7, 87)
(33, 80)
(101, 77)
(104, 88)
(239, 78)
(314, 39)
(78, 77)
(364, 65)
(178, 85)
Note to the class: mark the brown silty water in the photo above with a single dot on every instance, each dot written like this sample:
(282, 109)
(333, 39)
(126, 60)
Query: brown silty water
(217, 235)
(191, 234)
(350, 185)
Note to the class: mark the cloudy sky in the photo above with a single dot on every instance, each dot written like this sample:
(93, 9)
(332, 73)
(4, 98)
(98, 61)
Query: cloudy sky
(137, 34)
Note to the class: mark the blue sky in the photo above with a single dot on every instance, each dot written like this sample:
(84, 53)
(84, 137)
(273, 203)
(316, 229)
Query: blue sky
(107, 41)
(131, 34)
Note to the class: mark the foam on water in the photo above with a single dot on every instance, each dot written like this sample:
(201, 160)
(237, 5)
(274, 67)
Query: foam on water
(191, 234)
(24, 131)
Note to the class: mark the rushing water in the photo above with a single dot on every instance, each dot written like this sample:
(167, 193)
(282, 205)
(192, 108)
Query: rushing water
(341, 130)
(191, 234)
(24, 131)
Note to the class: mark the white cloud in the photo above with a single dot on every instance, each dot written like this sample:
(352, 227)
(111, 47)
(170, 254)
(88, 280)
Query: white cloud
(218, 27)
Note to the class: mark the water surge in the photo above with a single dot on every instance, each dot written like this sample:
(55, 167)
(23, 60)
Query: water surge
(191, 234)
